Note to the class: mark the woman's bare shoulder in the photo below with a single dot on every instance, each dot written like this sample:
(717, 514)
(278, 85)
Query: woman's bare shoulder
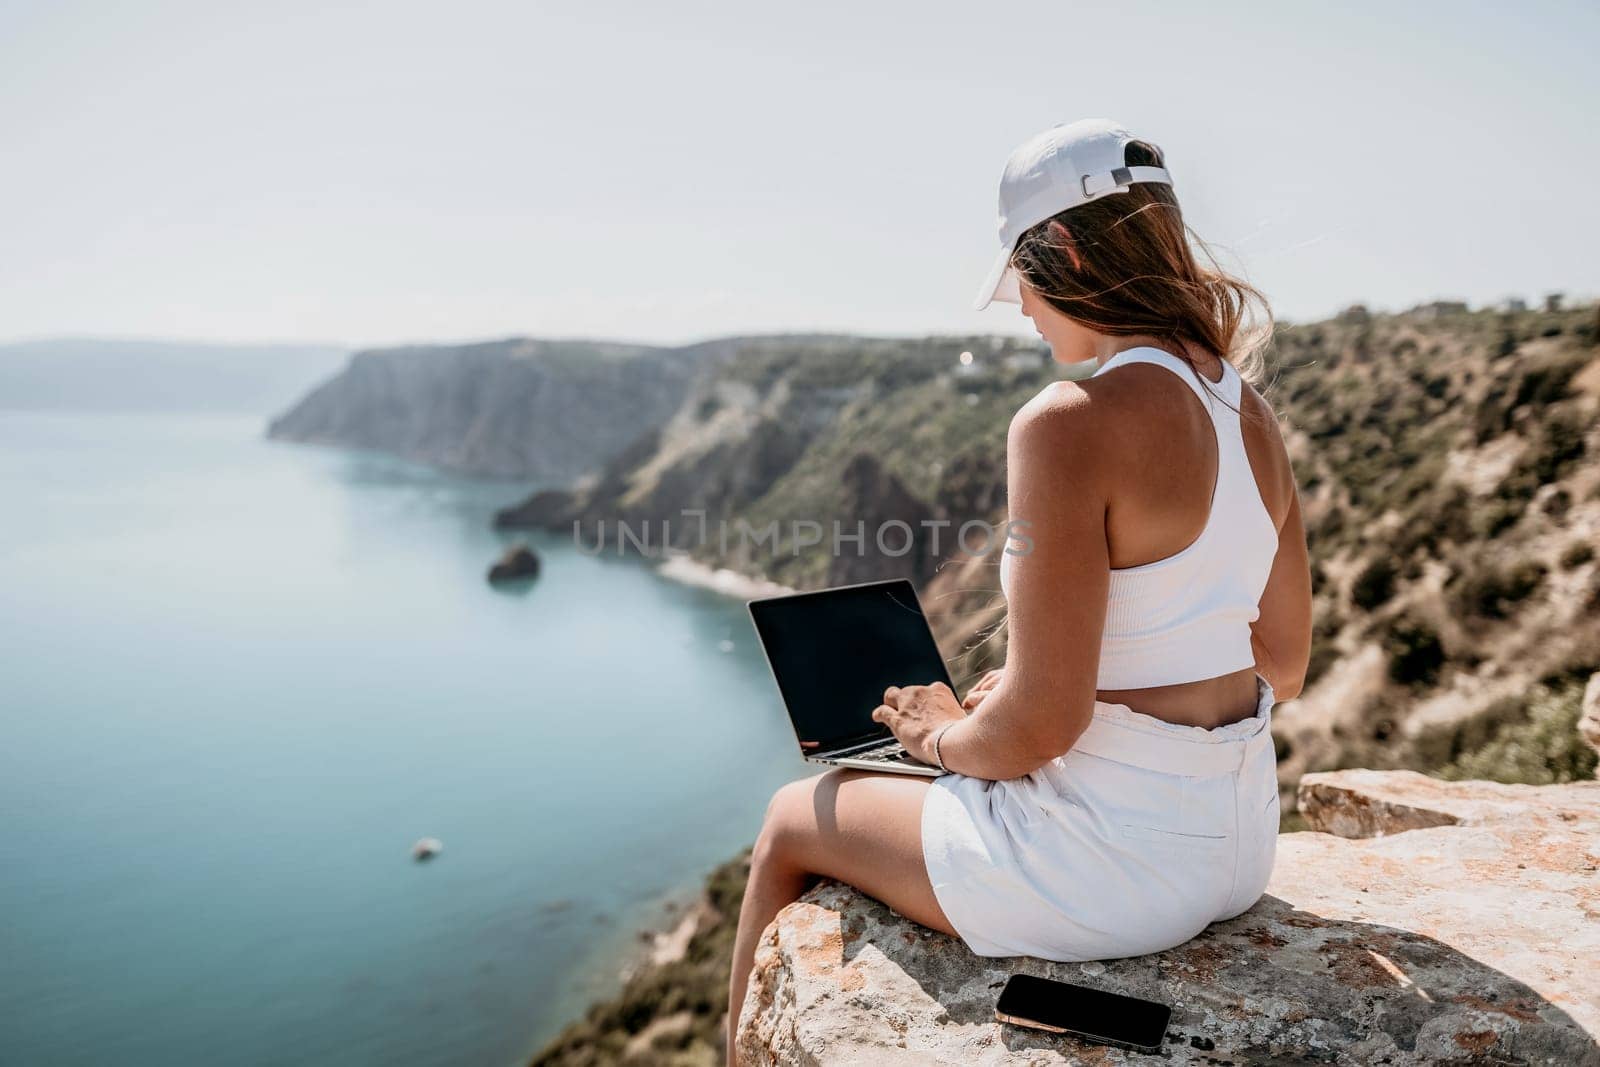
(1102, 422)
(1059, 408)
(1065, 419)
(1091, 406)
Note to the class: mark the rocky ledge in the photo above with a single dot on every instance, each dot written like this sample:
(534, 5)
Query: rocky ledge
(1418, 922)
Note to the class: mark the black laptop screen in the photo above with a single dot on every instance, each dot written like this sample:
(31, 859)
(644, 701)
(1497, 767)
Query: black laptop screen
(834, 652)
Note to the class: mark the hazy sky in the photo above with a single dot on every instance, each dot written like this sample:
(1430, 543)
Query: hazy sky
(672, 171)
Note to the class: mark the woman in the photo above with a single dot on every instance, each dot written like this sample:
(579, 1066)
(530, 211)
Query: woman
(1112, 790)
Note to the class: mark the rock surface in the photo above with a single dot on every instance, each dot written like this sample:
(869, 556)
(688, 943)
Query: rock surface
(1359, 804)
(1457, 923)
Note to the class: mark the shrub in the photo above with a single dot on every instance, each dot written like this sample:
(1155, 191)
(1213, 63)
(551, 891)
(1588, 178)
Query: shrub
(1374, 585)
(1488, 593)
(1323, 655)
(1326, 622)
(1415, 653)
(1535, 741)
(1577, 554)
(1561, 446)
(1557, 449)
(1522, 580)
(1491, 419)
(1546, 385)
(1331, 525)
(1451, 517)
(1496, 517)
(1558, 504)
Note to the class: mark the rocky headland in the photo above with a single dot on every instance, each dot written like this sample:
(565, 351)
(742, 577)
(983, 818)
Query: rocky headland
(538, 411)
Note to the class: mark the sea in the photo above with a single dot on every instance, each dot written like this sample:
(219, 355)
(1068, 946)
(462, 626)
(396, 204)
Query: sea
(239, 679)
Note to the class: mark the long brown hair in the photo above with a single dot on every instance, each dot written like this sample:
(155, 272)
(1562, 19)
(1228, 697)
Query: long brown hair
(1128, 264)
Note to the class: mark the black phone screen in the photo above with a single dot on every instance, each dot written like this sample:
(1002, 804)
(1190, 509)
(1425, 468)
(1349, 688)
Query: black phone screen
(1093, 1013)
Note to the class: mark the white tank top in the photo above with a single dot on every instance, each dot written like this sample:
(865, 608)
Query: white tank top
(1187, 617)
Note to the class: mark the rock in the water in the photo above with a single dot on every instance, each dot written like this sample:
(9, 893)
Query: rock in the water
(1473, 939)
(517, 564)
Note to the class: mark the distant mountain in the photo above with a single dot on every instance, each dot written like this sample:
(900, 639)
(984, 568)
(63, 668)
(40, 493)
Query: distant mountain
(87, 374)
(543, 411)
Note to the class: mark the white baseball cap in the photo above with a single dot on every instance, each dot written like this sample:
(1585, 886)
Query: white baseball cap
(1062, 167)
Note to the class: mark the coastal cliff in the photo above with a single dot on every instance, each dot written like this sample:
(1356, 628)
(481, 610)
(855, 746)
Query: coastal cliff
(814, 430)
(540, 411)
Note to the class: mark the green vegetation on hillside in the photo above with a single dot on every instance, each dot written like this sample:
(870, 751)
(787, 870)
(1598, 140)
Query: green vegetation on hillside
(1531, 739)
(667, 1015)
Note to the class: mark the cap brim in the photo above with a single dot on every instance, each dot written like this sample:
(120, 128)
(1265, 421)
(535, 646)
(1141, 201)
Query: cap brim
(1002, 283)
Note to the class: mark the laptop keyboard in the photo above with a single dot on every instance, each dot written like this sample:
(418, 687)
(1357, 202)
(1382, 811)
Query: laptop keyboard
(893, 752)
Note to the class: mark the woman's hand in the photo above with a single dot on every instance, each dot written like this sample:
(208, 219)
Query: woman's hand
(914, 713)
(983, 688)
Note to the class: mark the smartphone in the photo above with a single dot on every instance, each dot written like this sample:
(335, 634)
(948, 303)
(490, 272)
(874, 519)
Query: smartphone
(1092, 1014)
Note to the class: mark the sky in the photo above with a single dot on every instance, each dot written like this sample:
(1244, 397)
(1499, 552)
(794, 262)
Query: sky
(669, 172)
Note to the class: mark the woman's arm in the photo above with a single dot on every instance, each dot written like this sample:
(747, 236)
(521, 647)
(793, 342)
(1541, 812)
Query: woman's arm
(1281, 634)
(1057, 603)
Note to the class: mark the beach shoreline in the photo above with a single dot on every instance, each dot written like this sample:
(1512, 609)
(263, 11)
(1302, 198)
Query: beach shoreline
(689, 571)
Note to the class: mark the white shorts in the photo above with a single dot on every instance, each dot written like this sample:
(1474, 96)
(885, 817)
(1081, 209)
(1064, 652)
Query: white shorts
(1133, 842)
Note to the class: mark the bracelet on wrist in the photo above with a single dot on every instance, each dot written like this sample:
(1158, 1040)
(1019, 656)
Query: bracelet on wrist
(938, 760)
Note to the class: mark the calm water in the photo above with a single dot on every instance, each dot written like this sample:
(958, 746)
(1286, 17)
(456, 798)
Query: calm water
(238, 679)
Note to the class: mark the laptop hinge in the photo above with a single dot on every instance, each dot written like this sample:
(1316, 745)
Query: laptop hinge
(862, 747)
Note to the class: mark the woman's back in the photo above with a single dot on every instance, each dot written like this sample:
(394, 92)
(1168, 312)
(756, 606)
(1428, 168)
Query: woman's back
(1192, 532)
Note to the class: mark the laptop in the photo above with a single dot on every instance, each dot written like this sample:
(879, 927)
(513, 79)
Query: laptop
(833, 652)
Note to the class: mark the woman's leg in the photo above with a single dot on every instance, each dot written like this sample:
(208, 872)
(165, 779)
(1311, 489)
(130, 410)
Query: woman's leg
(860, 827)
